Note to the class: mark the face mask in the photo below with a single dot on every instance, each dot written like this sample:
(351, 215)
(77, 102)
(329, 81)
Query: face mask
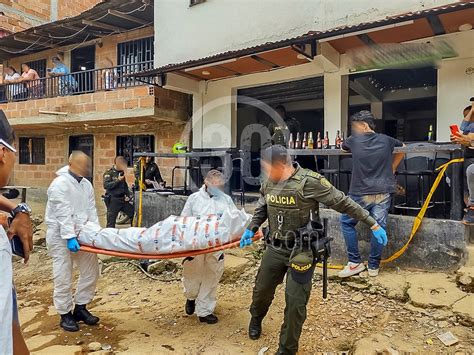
(214, 191)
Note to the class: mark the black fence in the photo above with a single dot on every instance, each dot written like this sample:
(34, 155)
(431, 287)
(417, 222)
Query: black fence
(81, 82)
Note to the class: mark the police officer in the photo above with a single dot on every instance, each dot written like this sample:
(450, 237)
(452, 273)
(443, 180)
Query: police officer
(117, 193)
(151, 173)
(289, 199)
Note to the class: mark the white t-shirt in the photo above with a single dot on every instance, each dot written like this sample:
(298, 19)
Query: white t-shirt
(14, 89)
(6, 296)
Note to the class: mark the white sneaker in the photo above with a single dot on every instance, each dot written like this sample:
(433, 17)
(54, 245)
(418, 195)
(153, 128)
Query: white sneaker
(373, 272)
(352, 269)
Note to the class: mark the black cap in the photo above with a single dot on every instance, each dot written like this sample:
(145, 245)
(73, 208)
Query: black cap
(7, 137)
(302, 266)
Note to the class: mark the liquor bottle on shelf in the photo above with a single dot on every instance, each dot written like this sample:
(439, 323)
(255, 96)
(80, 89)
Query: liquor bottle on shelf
(310, 141)
(298, 141)
(342, 139)
(338, 140)
(319, 142)
(304, 143)
(326, 141)
(430, 133)
(291, 142)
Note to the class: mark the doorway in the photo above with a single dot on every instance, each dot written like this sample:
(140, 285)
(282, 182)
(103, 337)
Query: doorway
(83, 64)
(84, 143)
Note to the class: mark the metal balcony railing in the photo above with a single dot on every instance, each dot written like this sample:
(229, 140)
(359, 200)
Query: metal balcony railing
(82, 82)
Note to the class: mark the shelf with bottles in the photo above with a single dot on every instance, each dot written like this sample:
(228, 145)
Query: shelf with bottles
(305, 140)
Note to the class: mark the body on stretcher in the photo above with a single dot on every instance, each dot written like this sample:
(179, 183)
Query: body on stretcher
(173, 235)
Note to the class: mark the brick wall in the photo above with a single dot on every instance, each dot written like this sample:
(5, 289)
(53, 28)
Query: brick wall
(69, 8)
(36, 12)
(104, 101)
(57, 148)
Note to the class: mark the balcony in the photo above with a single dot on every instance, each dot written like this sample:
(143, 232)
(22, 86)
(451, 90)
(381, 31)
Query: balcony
(76, 83)
(92, 96)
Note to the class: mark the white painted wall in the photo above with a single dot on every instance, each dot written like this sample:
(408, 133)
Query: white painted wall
(183, 33)
(214, 118)
(455, 87)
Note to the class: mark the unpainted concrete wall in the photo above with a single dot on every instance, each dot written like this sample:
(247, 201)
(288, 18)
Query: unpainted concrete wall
(438, 245)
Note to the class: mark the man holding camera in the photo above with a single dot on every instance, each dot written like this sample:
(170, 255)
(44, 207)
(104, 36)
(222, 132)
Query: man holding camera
(117, 193)
(289, 200)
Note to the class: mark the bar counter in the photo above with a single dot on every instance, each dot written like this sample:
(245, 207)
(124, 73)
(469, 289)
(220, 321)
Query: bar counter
(410, 148)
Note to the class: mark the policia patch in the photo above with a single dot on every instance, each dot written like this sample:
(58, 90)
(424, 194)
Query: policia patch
(302, 266)
(280, 200)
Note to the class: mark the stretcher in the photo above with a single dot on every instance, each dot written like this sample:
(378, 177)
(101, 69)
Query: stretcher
(174, 237)
(119, 254)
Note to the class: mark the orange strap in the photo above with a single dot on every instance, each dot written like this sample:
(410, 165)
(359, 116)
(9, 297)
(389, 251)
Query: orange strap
(122, 254)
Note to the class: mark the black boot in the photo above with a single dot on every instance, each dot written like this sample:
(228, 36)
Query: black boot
(144, 263)
(210, 319)
(82, 314)
(255, 329)
(68, 323)
(190, 307)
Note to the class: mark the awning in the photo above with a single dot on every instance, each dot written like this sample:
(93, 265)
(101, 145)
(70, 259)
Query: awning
(106, 18)
(302, 49)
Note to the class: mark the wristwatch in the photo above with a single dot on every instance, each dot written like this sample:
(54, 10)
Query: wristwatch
(21, 208)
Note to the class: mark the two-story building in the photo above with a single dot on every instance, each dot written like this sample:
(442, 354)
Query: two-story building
(98, 108)
(307, 56)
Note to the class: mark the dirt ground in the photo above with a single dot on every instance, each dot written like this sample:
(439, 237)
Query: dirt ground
(140, 315)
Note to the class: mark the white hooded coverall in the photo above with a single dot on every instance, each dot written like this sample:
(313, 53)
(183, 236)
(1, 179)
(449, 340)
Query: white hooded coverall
(6, 294)
(70, 203)
(201, 274)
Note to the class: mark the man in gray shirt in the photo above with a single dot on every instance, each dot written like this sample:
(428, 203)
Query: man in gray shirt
(372, 186)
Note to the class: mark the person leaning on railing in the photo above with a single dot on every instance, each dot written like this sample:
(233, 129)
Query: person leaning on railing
(67, 83)
(32, 82)
(15, 92)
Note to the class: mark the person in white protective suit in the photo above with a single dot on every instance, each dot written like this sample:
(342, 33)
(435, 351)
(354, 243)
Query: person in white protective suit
(71, 202)
(201, 274)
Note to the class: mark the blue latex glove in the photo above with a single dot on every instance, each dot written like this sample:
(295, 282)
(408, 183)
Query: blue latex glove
(381, 235)
(73, 245)
(246, 239)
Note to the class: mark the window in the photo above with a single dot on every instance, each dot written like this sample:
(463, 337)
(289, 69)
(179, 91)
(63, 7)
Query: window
(195, 2)
(132, 57)
(137, 53)
(39, 66)
(128, 145)
(32, 150)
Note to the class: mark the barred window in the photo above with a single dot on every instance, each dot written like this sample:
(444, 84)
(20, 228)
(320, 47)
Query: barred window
(128, 145)
(32, 150)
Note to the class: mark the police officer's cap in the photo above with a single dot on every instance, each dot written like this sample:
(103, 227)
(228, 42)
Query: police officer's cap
(302, 267)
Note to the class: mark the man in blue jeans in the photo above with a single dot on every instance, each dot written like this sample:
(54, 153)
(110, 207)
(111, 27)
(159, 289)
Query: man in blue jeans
(372, 186)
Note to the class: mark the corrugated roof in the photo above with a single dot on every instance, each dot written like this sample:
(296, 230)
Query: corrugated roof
(304, 38)
(105, 18)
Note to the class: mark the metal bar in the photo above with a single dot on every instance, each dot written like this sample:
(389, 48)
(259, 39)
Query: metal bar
(436, 25)
(457, 200)
(407, 149)
(128, 17)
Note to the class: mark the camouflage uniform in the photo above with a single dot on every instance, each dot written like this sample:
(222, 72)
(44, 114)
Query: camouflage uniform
(288, 206)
